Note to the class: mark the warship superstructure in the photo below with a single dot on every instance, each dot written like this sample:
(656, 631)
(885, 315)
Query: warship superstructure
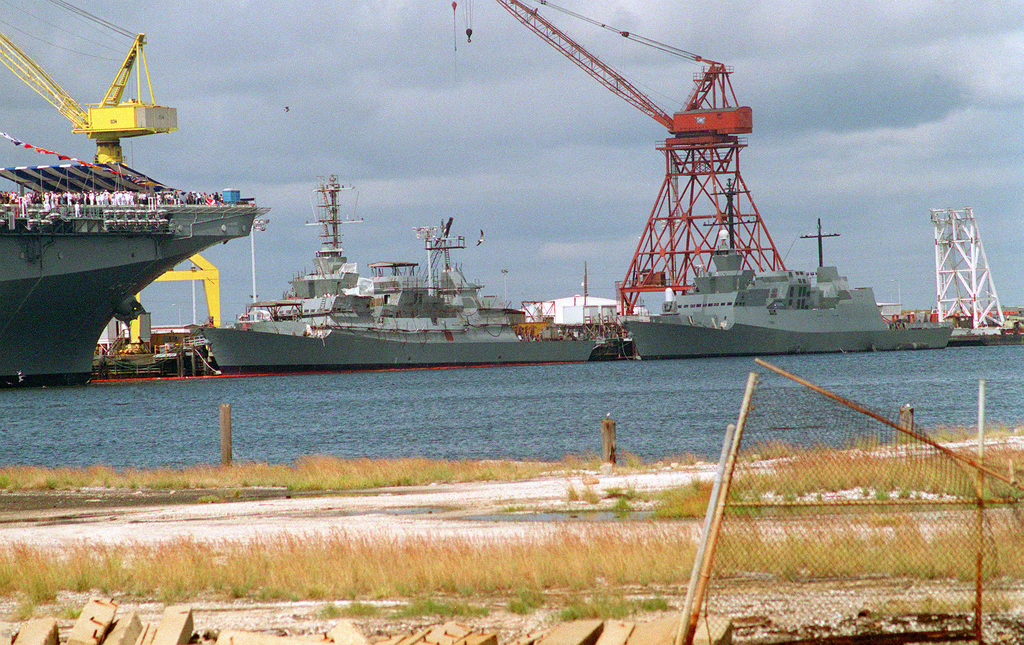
(733, 312)
(77, 243)
(400, 317)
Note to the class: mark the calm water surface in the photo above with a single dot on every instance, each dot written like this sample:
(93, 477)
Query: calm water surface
(662, 408)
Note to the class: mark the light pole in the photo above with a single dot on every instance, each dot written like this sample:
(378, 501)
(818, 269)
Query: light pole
(258, 224)
(504, 277)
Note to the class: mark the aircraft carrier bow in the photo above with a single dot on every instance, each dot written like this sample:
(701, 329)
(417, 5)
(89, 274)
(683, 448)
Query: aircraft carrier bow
(77, 243)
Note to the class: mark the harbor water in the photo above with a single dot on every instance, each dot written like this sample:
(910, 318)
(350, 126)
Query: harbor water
(662, 409)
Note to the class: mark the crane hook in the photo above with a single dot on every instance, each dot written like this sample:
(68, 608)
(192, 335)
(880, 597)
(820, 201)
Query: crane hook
(469, 35)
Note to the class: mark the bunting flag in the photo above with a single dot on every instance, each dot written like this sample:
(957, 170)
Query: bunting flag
(44, 151)
(120, 170)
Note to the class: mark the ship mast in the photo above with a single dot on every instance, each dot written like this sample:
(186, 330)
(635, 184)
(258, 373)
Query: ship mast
(820, 236)
(328, 207)
(438, 243)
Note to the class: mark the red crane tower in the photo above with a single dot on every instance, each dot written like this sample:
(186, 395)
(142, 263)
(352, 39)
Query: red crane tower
(703, 189)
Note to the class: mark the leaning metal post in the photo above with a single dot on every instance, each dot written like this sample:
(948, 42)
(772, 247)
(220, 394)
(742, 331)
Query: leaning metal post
(691, 590)
(701, 572)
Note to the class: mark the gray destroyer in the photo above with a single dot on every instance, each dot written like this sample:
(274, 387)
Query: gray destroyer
(733, 312)
(333, 319)
(77, 243)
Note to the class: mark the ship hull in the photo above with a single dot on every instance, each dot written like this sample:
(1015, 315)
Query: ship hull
(668, 337)
(61, 287)
(238, 351)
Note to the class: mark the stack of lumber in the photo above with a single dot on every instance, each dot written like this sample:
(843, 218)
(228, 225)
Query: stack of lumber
(98, 625)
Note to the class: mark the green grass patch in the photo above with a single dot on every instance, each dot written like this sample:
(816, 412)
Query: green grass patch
(607, 606)
(431, 607)
(685, 502)
(526, 602)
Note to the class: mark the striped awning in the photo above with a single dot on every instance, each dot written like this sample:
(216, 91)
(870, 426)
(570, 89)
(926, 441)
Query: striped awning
(81, 178)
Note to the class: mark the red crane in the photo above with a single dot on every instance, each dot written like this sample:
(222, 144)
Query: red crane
(703, 189)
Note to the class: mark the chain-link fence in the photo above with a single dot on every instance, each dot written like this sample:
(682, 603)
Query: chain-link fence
(839, 521)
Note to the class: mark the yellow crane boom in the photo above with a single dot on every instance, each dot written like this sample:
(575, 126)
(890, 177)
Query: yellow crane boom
(35, 77)
(202, 269)
(112, 119)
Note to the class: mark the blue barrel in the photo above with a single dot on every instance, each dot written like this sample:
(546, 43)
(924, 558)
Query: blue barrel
(231, 196)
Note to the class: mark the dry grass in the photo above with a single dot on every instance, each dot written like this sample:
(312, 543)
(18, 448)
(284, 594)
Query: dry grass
(317, 472)
(356, 567)
(573, 562)
(307, 473)
(878, 472)
(845, 545)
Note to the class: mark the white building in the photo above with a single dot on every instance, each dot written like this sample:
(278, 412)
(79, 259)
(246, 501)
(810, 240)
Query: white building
(574, 310)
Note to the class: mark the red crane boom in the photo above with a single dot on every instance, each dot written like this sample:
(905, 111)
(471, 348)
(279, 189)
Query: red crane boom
(588, 62)
(702, 174)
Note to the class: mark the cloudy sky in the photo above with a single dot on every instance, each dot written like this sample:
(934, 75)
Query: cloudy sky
(866, 114)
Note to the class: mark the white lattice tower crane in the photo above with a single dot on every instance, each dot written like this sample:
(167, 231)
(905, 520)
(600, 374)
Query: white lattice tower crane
(964, 286)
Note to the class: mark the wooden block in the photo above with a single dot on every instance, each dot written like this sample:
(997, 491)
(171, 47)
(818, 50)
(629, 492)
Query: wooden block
(125, 631)
(657, 632)
(716, 630)
(448, 634)
(40, 631)
(578, 632)
(439, 636)
(345, 633)
(94, 622)
(175, 626)
(456, 630)
(392, 640)
(663, 632)
(415, 637)
(531, 638)
(615, 632)
(479, 638)
(147, 635)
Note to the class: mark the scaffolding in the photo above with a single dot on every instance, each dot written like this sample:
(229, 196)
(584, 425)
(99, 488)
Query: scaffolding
(965, 291)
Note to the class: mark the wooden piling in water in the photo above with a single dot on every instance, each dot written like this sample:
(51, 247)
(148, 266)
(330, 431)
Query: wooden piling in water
(225, 434)
(608, 441)
(907, 417)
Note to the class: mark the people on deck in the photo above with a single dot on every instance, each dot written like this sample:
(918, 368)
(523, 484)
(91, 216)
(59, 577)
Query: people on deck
(50, 201)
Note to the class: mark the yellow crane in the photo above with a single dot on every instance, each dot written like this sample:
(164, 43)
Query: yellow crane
(108, 121)
(202, 271)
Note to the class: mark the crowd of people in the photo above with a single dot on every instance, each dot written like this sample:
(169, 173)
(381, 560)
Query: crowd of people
(50, 201)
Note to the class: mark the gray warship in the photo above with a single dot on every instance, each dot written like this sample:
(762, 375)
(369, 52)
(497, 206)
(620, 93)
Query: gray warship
(77, 243)
(333, 319)
(733, 312)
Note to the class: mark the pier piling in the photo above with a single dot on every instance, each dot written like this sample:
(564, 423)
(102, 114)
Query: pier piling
(225, 434)
(907, 417)
(608, 441)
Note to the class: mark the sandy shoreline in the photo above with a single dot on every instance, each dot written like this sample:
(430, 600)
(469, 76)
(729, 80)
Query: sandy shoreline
(102, 516)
